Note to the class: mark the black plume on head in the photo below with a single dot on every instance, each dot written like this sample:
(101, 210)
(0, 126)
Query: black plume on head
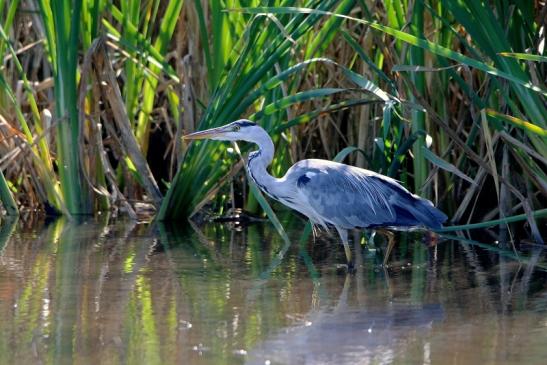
(245, 123)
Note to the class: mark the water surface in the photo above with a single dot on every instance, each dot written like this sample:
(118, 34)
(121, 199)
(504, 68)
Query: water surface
(127, 293)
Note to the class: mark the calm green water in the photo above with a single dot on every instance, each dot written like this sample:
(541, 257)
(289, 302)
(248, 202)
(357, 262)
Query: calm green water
(126, 293)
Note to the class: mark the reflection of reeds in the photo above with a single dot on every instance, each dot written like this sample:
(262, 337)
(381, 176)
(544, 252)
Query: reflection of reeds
(436, 94)
(89, 292)
(81, 292)
(6, 229)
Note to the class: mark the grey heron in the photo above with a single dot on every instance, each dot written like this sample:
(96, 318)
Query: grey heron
(330, 193)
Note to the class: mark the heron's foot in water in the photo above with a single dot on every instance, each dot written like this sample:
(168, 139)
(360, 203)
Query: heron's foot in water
(348, 268)
(390, 244)
(431, 239)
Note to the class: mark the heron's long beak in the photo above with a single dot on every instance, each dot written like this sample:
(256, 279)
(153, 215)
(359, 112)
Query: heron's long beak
(209, 133)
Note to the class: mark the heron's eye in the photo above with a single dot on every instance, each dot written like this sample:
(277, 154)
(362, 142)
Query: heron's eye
(235, 128)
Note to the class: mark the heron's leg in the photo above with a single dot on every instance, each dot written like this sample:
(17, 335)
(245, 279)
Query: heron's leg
(390, 243)
(344, 236)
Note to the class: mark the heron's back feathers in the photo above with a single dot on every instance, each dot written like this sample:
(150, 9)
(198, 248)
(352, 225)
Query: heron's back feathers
(348, 197)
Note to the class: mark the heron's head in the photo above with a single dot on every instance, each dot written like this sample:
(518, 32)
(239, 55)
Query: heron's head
(240, 130)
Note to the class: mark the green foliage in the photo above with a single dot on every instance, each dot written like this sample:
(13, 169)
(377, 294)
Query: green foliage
(433, 93)
(6, 197)
(61, 20)
(249, 79)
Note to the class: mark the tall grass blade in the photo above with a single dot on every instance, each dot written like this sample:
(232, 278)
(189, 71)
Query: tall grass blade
(62, 23)
(309, 116)
(328, 31)
(490, 151)
(300, 97)
(341, 156)
(542, 213)
(437, 161)
(268, 210)
(6, 197)
(518, 122)
(408, 38)
(149, 91)
(486, 26)
(418, 118)
(524, 56)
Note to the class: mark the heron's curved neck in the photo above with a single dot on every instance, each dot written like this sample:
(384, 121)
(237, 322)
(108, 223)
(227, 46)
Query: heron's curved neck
(259, 161)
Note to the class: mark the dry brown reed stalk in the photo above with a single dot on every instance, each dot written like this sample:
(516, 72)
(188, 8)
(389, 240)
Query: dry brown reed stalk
(111, 95)
(95, 138)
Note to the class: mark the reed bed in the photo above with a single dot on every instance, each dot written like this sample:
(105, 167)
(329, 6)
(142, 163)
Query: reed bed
(448, 97)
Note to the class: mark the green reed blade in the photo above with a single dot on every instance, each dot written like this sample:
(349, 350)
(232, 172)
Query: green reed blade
(488, 32)
(66, 28)
(519, 123)
(401, 151)
(418, 118)
(149, 91)
(328, 30)
(253, 58)
(205, 42)
(524, 56)
(362, 54)
(309, 116)
(437, 161)
(542, 213)
(6, 197)
(8, 23)
(407, 38)
(289, 100)
(268, 210)
(341, 156)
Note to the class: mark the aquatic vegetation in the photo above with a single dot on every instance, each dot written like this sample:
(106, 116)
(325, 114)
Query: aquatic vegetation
(448, 97)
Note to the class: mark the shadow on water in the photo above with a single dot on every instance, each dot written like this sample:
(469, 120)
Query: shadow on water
(91, 292)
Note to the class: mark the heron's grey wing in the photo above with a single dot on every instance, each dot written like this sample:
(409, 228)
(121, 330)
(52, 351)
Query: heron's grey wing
(345, 196)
